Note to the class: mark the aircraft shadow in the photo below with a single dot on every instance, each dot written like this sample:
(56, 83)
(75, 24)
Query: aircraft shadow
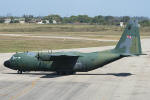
(54, 75)
(111, 74)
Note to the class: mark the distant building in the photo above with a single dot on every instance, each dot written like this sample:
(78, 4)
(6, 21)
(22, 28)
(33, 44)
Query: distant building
(139, 25)
(121, 24)
(16, 20)
(7, 21)
(54, 22)
(47, 21)
(32, 21)
(40, 22)
(21, 20)
(43, 22)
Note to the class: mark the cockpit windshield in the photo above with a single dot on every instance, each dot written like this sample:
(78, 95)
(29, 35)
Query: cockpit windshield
(13, 58)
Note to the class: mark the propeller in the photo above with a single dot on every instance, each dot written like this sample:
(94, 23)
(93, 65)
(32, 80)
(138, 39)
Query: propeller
(38, 56)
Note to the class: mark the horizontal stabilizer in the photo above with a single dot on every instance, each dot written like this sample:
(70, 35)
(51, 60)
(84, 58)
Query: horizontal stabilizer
(126, 54)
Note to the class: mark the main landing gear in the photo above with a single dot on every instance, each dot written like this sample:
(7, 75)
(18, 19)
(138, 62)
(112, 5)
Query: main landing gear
(19, 71)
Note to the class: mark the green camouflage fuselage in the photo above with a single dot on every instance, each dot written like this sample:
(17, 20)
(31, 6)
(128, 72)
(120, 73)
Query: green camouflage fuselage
(85, 62)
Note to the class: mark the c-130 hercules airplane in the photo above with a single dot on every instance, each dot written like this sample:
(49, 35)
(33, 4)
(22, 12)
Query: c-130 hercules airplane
(71, 62)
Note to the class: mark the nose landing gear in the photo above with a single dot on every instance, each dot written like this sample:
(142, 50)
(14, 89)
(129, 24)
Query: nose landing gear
(19, 71)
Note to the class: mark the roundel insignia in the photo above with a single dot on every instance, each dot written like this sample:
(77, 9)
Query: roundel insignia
(129, 37)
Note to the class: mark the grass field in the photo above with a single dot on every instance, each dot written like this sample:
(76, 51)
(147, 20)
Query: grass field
(13, 43)
(17, 44)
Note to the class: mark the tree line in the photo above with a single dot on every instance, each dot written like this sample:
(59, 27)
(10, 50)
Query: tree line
(79, 19)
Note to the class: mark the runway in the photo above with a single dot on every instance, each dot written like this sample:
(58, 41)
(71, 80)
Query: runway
(58, 37)
(125, 79)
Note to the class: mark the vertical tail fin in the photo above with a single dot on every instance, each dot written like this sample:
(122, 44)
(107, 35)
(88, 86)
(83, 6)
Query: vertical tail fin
(129, 43)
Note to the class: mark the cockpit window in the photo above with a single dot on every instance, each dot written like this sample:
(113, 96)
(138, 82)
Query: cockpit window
(13, 58)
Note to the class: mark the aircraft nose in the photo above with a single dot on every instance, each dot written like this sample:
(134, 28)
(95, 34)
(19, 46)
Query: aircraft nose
(7, 63)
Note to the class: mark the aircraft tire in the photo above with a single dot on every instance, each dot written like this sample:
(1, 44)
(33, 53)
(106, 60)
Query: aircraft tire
(71, 73)
(19, 71)
(59, 73)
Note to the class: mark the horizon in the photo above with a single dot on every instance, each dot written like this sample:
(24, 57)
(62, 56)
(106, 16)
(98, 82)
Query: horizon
(7, 16)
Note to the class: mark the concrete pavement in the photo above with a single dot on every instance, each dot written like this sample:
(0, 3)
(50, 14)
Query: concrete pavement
(125, 79)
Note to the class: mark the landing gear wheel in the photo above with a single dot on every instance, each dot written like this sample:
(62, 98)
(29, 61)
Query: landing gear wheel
(60, 73)
(19, 71)
(71, 73)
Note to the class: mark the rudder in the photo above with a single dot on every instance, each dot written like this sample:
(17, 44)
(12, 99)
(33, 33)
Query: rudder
(129, 43)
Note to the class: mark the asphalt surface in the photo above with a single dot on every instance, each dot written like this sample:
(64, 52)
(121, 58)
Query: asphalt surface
(125, 79)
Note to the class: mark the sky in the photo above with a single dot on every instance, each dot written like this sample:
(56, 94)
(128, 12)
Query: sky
(75, 7)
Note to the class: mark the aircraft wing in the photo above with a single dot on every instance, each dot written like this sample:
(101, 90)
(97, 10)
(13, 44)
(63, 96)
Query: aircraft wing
(57, 56)
(63, 57)
(60, 62)
(63, 62)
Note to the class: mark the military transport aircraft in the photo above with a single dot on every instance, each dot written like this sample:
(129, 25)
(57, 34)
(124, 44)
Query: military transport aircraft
(71, 62)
